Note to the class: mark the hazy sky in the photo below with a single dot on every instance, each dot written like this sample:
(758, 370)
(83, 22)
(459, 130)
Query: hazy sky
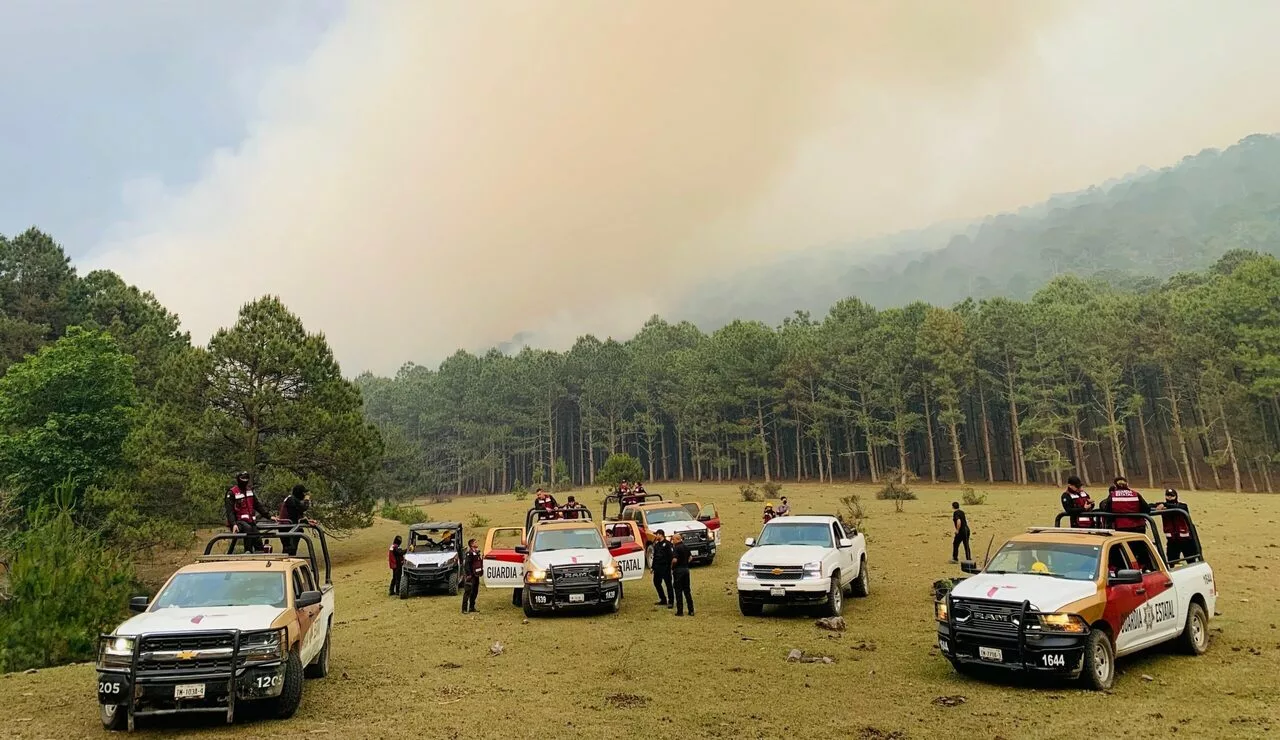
(415, 176)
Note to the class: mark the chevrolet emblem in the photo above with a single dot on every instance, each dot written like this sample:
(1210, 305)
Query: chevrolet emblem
(776, 571)
(187, 654)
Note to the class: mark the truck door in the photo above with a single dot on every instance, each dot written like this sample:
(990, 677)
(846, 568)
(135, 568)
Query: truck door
(503, 566)
(1160, 610)
(1124, 606)
(706, 514)
(630, 552)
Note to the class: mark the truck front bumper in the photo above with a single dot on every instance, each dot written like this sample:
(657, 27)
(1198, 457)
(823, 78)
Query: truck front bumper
(784, 591)
(1046, 653)
(149, 695)
(548, 597)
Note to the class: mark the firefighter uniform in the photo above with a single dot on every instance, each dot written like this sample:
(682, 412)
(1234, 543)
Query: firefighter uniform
(1075, 502)
(1177, 528)
(1124, 500)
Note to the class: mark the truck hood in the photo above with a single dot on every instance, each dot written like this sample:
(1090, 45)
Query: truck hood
(429, 558)
(576, 556)
(1046, 593)
(670, 528)
(783, 554)
(199, 619)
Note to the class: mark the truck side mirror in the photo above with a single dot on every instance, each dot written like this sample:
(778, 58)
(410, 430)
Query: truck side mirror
(969, 566)
(138, 604)
(1126, 577)
(846, 542)
(751, 542)
(522, 550)
(308, 598)
(615, 543)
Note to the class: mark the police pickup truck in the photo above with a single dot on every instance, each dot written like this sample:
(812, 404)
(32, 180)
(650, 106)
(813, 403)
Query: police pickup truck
(562, 561)
(225, 630)
(1069, 601)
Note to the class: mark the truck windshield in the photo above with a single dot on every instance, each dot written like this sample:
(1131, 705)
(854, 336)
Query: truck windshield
(585, 538)
(434, 541)
(658, 516)
(794, 533)
(1072, 562)
(232, 588)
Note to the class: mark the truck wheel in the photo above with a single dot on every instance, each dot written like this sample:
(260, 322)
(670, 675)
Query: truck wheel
(1099, 662)
(114, 716)
(515, 597)
(291, 695)
(614, 606)
(452, 587)
(648, 556)
(319, 667)
(862, 584)
(835, 598)
(710, 560)
(749, 608)
(404, 586)
(1195, 635)
(528, 606)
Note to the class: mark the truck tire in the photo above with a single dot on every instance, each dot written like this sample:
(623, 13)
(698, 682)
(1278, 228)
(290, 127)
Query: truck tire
(1099, 671)
(452, 587)
(527, 603)
(1194, 639)
(835, 598)
(710, 560)
(648, 556)
(613, 606)
(862, 584)
(290, 697)
(750, 608)
(319, 668)
(404, 585)
(115, 717)
(515, 596)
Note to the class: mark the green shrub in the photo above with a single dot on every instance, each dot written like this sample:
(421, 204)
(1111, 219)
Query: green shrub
(620, 467)
(971, 497)
(65, 587)
(771, 489)
(851, 512)
(403, 513)
(475, 521)
(895, 491)
(749, 493)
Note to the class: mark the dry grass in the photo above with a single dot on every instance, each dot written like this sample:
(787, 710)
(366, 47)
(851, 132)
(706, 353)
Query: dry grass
(419, 666)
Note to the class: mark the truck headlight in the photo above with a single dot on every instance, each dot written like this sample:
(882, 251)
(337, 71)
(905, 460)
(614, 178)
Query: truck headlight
(115, 652)
(1073, 623)
(744, 570)
(611, 571)
(813, 569)
(536, 575)
(940, 610)
(264, 646)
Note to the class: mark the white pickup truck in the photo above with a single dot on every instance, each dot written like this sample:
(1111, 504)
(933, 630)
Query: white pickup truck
(806, 560)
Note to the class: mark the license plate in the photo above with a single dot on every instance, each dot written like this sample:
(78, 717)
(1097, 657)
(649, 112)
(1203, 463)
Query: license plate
(777, 592)
(993, 654)
(189, 691)
(577, 597)
(693, 553)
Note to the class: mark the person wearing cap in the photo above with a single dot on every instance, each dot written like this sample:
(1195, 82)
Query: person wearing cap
(1125, 500)
(1076, 500)
(784, 508)
(472, 568)
(1177, 528)
(293, 510)
(572, 503)
(661, 553)
(242, 509)
(680, 561)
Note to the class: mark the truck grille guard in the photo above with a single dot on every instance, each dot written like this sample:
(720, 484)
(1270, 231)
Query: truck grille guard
(1023, 610)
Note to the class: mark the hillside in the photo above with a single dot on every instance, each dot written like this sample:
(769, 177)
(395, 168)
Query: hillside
(1151, 223)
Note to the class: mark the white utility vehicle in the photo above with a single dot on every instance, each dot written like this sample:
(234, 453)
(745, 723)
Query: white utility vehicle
(805, 560)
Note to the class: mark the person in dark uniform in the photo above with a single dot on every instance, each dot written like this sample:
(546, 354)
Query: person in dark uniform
(572, 503)
(547, 503)
(1124, 500)
(395, 561)
(961, 524)
(293, 510)
(1177, 528)
(242, 509)
(680, 560)
(663, 552)
(1076, 500)
(472, 568)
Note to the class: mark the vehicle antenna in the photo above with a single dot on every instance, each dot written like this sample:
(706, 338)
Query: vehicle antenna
(987, 557)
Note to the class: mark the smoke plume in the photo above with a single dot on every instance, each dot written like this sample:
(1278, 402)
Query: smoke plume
(445, 175)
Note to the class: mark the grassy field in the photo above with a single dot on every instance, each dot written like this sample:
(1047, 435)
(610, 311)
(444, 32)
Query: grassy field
(419, 668)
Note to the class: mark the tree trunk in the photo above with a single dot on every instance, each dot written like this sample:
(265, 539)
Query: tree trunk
(902, 445)
(1015, 435)
(1146, 448)
(1231, 449)
(764, 444)
(831, 477)
(928, 427)
(1266, 473)
(662, 444)
(591, 456)
(1113, 428)
(680, 450)
(955, 451)
(1176, 417)
(1207, 442)
(986, 433)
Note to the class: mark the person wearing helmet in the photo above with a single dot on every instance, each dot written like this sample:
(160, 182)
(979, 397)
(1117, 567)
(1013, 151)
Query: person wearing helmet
(242, 509)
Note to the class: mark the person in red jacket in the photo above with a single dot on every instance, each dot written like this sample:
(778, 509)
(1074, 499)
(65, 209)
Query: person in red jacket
(242, 509)
(1075, 500)
(1125, 500)
(1177, 528)
(395, 561)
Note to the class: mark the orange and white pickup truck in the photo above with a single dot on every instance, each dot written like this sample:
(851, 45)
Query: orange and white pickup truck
(221, 632)
(697, 524)
(554, 563)
(1069, 601)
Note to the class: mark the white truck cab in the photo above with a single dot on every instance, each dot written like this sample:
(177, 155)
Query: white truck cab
(806, 560)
